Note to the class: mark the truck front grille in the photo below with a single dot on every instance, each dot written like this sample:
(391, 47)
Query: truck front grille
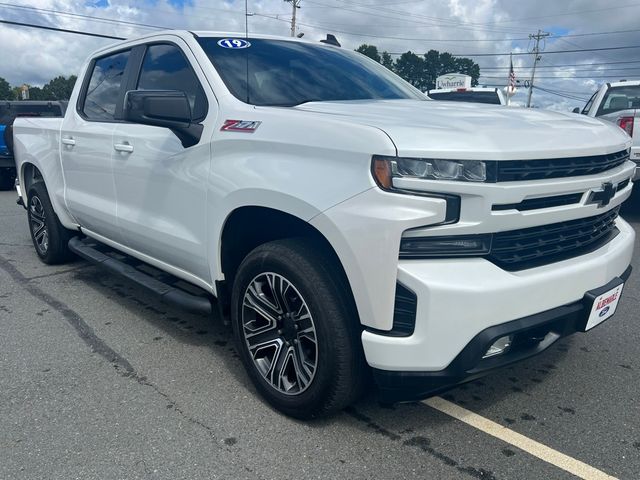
(522, 170)
(537, 246)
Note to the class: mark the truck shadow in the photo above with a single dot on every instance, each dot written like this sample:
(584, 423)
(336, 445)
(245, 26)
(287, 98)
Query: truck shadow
(521, 380)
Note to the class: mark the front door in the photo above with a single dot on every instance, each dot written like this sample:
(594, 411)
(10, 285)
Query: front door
(161, 186)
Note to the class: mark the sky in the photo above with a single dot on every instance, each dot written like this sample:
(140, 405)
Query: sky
(466, 27)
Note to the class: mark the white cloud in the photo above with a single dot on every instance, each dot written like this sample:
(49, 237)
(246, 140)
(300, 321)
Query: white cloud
(458, 26)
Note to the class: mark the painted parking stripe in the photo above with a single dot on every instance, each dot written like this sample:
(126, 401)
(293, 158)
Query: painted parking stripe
(537, 449)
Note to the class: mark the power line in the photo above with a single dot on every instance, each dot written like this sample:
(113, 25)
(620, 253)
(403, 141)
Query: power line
(79, 15)
(566, 78)
(430, 23)
(573, 13)
(552, 92)
(527, 53)
(571, 65)
(64, 30)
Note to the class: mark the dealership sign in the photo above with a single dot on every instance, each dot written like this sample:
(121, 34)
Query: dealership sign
(453, 80)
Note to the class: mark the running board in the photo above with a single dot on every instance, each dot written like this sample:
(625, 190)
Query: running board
(162, 284)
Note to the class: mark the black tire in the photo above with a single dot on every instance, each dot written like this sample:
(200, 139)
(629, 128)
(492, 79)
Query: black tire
(339, 375)
(7, 178)
(49, 237)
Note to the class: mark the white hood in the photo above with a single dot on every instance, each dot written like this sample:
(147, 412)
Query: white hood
(476, 131)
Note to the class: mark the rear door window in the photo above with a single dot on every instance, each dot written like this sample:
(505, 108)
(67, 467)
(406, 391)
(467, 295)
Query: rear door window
(166, 68)
(103, 90)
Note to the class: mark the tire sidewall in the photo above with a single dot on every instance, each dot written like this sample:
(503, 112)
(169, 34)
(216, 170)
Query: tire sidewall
(324, 317)
(57, 251)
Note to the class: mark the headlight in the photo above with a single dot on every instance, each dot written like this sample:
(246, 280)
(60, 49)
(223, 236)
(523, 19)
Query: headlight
(385, 169)
(451, 246)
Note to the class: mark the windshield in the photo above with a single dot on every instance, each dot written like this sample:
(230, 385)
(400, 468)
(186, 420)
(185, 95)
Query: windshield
(620, 98)
(475, 97)
(288, 73)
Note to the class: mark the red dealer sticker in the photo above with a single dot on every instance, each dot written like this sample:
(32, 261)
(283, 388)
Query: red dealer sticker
(248, 126)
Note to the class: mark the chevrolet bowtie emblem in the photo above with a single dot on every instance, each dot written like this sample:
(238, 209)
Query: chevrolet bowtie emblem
(602, 197)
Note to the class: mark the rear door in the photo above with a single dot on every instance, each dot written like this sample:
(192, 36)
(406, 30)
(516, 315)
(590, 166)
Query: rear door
(87, 145)
(161, 186)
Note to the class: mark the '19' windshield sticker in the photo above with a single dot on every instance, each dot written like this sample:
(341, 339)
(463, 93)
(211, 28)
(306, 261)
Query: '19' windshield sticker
(247, 126)
(234, 43)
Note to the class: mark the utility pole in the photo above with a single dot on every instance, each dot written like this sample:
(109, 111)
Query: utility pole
(295, 4)
(536, 52)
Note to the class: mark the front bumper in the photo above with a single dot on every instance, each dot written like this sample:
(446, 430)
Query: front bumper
(531, 336)
(458, 299)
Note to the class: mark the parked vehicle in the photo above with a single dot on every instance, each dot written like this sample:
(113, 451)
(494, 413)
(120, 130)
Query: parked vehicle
(491, 96)
(618, 102)
(347, 223)
(8, 112)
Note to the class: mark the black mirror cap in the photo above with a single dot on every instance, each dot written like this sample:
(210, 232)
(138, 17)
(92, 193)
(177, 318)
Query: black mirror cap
(163, 108)
(576, 110)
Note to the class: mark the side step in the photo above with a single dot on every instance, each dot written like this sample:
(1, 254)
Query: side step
(162, 284)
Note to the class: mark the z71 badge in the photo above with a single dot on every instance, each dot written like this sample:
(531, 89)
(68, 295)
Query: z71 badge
(248, 126)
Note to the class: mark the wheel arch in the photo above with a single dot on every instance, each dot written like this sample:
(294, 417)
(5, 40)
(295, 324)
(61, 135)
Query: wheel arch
(248, 227)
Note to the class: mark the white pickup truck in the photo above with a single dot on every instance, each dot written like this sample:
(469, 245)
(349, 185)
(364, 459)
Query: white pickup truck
(349, 225)
(619, 102)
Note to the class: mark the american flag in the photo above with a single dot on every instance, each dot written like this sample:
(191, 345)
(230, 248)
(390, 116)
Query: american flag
(512, 74)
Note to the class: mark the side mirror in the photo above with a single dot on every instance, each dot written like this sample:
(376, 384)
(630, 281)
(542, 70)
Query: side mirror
(163, 108)
(576, 110)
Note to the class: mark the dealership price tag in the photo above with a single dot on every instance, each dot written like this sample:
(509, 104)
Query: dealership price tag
(604, 306)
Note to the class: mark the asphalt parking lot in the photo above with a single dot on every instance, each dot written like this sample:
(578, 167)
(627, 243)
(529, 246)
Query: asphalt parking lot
(100, 381)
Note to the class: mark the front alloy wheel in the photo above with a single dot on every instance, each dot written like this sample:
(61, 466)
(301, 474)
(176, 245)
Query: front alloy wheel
(279, 333)
(297, 329)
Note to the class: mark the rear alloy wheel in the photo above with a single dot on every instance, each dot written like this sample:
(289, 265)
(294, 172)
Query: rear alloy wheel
(38, 226)
(297, 329)
(49, 237)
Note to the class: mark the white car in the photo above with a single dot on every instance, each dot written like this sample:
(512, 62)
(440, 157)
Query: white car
(619, 102)
(491, 96)
(344, 221)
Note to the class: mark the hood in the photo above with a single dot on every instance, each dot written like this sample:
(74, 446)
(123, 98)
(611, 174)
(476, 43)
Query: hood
(476, 131)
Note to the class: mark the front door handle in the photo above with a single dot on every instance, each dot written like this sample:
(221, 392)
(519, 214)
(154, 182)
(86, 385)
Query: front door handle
(68, 141)
(123, 147)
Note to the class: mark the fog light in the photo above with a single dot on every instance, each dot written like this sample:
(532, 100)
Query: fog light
(499, 347)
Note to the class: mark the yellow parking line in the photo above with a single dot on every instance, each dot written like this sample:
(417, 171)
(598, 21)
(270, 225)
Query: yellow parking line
(537, 449)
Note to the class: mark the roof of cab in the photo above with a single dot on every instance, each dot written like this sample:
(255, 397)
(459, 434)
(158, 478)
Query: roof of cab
(204, 33)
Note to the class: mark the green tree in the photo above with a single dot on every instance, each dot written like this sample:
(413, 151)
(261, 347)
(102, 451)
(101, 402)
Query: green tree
(370, 51)
(469, 67)
(422, 70)
(37, 93)
(6, 93)
(59, 88)
(386, 60)
(411, 67)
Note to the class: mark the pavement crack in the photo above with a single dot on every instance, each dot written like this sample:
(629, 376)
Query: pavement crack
(60, 272)
(84, 331)
(421, 443)
(97, 345)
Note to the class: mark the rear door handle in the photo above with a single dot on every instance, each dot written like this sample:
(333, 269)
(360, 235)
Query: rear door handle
(123, 147)
(68, 141)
